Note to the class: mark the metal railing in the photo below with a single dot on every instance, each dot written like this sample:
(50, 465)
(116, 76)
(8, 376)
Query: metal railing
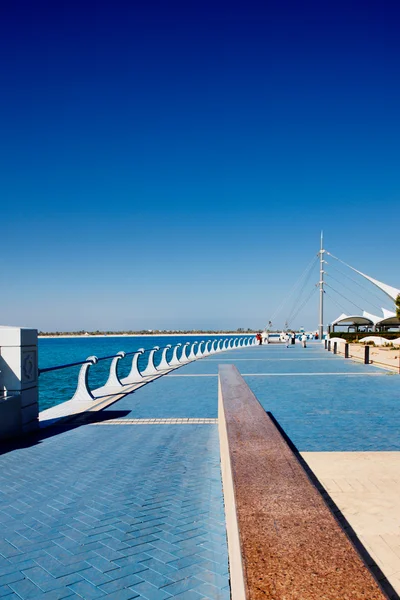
(116, 384)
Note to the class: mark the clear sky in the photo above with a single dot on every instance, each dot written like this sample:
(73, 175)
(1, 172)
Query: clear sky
(171, 164)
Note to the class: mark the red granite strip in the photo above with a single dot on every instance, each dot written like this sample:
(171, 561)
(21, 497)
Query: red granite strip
(292, 547)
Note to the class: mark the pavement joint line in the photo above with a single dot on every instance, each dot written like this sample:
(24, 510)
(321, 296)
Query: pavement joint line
(173, 421)
(263, 359)
(279, 374)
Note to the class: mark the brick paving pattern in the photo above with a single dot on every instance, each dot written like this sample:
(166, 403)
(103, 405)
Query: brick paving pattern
(114, 512)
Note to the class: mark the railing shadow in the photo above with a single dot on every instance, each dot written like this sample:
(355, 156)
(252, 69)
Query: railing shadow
(61, 426)
(363, 553)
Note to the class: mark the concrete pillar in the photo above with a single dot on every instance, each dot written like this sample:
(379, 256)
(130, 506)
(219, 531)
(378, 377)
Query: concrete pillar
(18, 381)
(334, 347)
(329, 345)
(346, 350)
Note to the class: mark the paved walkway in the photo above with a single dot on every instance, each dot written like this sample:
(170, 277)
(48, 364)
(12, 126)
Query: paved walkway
(365, 486)
(134, 509)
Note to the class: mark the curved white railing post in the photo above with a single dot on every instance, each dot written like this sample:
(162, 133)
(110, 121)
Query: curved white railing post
(192, 355)
(241, 342)
(230, 345)
(164, 363)
(207, 349)
(184, 358)
(113, 379)
(151, 369)
(134, 374)
(213, 348)
(220, 347)
(225, 344)
(199, 353)
(246, 342)
(253, 342)
(236, 343)
(174, 361)
(82, 392)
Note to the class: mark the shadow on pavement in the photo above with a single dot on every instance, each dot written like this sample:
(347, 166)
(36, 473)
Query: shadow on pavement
(63, 425)
(365, 556)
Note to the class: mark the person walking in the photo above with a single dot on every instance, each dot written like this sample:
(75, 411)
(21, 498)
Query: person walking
(304, 340)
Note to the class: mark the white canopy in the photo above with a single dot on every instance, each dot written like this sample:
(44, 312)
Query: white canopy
(353, 320)
(371, 317)
(392, 292)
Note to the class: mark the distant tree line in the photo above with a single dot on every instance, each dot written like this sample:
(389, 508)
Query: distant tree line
(82, 332)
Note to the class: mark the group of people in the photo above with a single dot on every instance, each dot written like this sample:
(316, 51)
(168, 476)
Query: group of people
(287, 338)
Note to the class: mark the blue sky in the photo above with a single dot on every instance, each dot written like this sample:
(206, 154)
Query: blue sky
(169, 164)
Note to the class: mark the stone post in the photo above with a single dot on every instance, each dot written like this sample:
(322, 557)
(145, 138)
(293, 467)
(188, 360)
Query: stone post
(366, 355)
(19, 409)
(346, 350)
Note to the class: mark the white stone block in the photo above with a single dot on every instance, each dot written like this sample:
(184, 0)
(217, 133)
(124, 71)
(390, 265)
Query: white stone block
(17, 336)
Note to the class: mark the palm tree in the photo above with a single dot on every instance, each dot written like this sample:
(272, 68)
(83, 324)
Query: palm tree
(398, 306)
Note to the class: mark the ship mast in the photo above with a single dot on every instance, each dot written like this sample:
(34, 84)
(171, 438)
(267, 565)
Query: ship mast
(321, 288)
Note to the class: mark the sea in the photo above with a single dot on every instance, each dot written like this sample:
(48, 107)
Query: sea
(58, 386)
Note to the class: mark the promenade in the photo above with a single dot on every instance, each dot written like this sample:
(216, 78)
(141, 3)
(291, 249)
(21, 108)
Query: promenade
(127, 502)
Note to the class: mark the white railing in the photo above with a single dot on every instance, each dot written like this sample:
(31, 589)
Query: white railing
(115, 384)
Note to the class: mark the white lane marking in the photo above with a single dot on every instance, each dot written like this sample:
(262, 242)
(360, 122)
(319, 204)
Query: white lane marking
(278, 374)
(261, 359)
(157, 422)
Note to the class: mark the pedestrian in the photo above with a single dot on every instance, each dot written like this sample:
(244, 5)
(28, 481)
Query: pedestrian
(287, 340)
(304, 340)
(259, 338)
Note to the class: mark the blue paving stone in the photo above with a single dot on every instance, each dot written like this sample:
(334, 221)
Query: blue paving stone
(5, 590)
(25, 589)
(189, 571)
(11, 578)
(86, 590)
(214, 593)
(121, 583)
(155, 400)
(125, 594)
(150, 592)
(59, 595)
(189, 595)
(183, 585)
(95, 577)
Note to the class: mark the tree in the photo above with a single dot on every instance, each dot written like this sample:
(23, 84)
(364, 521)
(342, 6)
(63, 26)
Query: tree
(398, 306)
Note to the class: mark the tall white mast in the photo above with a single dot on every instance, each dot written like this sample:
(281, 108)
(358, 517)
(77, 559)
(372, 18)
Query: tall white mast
(321, 288)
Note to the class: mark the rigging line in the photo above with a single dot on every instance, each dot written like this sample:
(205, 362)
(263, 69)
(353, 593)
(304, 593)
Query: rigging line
(310, 266)
(300, 308)
(350, 290)
(302, 305)
(363, 287)
(336, 302)
(351, 302)
(298, 282)
(370, 279)
(300, 295)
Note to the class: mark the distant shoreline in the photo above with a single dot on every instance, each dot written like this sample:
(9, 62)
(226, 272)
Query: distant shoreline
(111, 335)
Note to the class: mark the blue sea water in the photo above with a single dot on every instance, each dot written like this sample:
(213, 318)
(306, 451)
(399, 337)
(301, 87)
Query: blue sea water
(58, 386)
